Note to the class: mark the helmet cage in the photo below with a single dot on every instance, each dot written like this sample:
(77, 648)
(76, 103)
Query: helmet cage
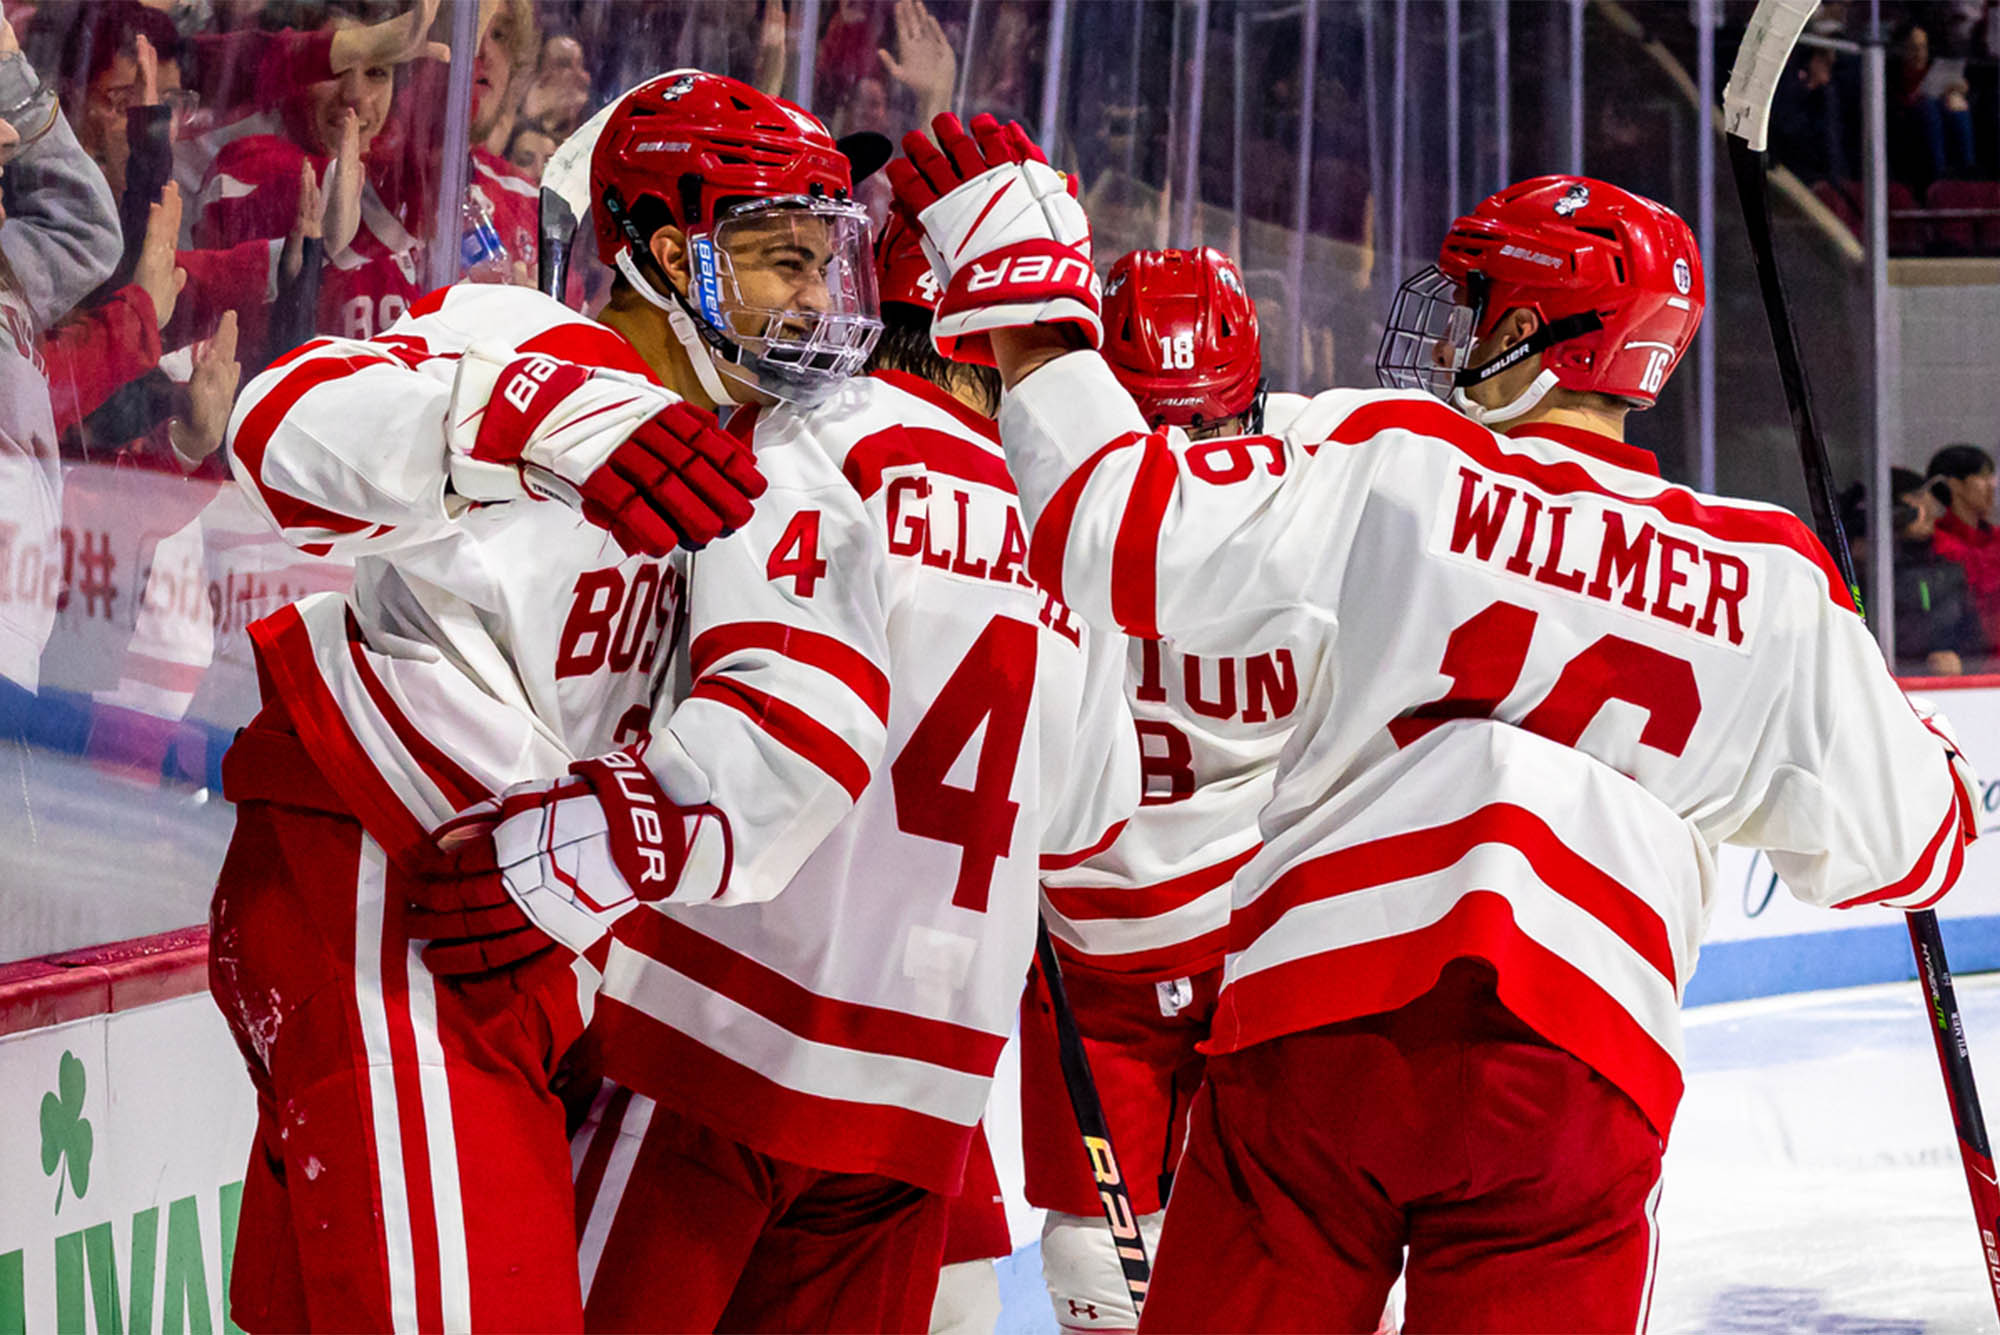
(1430, 331)
(795, 354)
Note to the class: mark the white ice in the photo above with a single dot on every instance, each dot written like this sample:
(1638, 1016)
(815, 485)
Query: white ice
(1813, 1183)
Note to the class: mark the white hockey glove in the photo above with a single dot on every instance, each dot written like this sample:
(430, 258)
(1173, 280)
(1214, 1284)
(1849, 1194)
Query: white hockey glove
(655, 472)
(1962, 773)
(578, 854)
(1003, 232)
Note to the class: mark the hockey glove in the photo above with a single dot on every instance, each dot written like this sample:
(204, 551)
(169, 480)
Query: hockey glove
(460, 907)
(1003, 232)
(578, 854)
(655, 472)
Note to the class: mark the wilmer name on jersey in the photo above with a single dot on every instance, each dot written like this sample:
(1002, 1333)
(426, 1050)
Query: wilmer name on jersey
(1582, 543)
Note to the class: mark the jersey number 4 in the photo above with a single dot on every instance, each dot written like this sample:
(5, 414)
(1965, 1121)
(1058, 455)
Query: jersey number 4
(992, 684)
(1484, 658)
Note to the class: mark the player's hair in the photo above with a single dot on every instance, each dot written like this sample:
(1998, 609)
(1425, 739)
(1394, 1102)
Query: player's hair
(906, 346)
(1957, 461)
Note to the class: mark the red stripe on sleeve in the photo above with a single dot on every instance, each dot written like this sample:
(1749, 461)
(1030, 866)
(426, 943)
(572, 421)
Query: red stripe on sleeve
(254, 436)
(588, 344)
(1051, 540)
(459, 787)
(792, 728)
(810, 647)
(1064, 861)
(1136, 552)
(1926, 860)
(923, 447)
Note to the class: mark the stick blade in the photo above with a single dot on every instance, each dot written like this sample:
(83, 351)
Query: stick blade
(1760, 62)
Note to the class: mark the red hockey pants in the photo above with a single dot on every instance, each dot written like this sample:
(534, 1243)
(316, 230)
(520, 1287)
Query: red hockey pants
(1521, 1182)
(410, 1170)
(684, 1229)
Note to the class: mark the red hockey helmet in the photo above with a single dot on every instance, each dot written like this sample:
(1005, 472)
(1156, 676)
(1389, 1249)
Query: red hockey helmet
(742, 174)
(1615, 279)
(902, 271)
(1180, 334)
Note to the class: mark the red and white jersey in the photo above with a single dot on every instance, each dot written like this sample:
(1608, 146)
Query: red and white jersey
(853, 1022)
(484, 646)
(1156, 903)
(1546, 685)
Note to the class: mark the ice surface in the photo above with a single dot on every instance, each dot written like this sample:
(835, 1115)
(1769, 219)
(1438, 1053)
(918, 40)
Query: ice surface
(1813, 1184)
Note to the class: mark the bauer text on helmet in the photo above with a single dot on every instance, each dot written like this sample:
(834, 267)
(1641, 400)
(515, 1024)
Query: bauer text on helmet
(1613, 280)
(732, 211)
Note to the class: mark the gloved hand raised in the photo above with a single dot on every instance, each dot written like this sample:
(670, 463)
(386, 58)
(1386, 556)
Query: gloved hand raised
(1003, 232)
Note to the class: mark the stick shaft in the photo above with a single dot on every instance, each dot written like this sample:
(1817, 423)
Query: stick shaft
(1089, 1109)
(1926, 941)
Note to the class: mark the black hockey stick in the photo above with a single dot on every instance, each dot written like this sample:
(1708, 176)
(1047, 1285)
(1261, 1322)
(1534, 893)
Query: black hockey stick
(1767, 47)
(556, 229)
(1089, 1110)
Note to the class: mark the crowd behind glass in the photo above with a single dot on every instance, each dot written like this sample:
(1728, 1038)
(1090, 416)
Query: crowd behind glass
(193, 187)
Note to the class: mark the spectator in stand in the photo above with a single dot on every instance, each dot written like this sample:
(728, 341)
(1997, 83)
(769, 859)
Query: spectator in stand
(1937, 619)
(1815, 118)
(508, 44)
(529, 149)
(58, 239)
(1964, 533)
(559, 98)
(1930, 114)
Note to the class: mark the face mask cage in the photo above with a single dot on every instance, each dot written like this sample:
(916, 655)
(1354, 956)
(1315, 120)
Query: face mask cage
(789, 284)
(1429, 334)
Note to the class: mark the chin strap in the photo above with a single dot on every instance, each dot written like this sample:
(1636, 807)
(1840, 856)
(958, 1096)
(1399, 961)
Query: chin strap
(1519, 406)
(1550, 334)
(684, 329)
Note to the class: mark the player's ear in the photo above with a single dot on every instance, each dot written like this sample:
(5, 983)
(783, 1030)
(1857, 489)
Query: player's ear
(1518, 325)
(670, 251)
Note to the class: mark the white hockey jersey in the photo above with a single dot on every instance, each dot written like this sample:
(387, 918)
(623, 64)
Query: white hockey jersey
(1548, 685)
(853, 1023)
(1156, 903)
(491, 645)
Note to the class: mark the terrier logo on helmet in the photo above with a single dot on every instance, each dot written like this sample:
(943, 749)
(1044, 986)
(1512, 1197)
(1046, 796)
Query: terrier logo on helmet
(1574, 198)
(679, 88)
(1683, 277)
(1227, 275)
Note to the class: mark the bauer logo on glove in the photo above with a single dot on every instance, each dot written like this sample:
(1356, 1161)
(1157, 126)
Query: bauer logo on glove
(578, 854)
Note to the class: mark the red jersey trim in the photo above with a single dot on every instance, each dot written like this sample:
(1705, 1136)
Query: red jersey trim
(1545, 991)
(254, 437)
(284, 651)
(792, 728)
(829, 655)
(835, 1135)
(798, 1010)
(588, 344)
(1593, 443)
(1118, 902)
(927, 448)
(1192, 956)
(1064, 861)
(942, 399)
(1723, 522)
(1926, 864)
(1051, 538)
(458, 787)
(1135, 553)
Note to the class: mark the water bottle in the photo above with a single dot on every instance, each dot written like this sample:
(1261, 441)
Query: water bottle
(482, 256)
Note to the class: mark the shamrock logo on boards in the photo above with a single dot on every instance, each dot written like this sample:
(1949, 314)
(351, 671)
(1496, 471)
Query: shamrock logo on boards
(66, 1134)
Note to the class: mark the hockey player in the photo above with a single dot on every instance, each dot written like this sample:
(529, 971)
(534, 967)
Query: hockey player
(804, 1075)
(511, 480)
(1549, 684)
(1140, 927)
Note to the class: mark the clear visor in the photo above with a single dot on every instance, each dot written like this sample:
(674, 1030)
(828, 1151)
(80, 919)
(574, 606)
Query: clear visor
(791, 283)
(25, 121)
(1429, 335)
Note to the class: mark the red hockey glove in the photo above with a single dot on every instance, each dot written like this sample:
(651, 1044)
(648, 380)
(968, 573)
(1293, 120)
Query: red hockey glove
(578, 854)
(1003, 231)
(459, 905)
(656, 472)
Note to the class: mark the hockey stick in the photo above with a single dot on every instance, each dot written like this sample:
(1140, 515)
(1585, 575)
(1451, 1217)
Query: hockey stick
(1089, 1110)
(565, 199)
(1746, 109)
